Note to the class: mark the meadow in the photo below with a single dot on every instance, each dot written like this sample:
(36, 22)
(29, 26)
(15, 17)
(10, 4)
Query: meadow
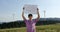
(41, 28)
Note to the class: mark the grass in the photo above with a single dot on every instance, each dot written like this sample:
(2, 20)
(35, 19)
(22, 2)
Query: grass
(42, 28)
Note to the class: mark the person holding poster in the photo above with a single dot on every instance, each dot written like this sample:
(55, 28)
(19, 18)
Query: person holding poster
(30, 24)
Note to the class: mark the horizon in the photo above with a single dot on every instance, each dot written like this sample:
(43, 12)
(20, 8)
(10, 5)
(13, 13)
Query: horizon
(22, 20)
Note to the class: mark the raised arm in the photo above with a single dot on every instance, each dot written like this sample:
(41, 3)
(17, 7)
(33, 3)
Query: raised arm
(38, 14)
(23, 15)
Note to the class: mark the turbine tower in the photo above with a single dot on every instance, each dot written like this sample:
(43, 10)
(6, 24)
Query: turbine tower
(44, 15)
(13, 16)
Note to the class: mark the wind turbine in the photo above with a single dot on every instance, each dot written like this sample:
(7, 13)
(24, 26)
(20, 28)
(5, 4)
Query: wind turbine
(13, 16)
(44, 15)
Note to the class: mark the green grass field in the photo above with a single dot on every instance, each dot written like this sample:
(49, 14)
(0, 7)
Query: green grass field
(41, 28)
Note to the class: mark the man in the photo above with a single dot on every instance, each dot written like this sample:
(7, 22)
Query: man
(30, 24)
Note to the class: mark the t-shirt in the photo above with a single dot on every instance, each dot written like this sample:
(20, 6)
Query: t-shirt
(30, 25)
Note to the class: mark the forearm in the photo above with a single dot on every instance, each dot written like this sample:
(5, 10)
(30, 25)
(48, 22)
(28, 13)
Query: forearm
(23, 15)
(38, 16)
(38, 13)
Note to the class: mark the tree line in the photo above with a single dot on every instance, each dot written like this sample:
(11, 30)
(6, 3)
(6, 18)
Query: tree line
(19, 23)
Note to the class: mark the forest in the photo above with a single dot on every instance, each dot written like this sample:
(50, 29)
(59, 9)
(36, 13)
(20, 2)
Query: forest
(20, 23)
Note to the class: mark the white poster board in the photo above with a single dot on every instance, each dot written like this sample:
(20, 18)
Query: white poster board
(30, 9)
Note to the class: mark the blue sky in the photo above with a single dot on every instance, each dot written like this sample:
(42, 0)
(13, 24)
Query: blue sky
(10, 7)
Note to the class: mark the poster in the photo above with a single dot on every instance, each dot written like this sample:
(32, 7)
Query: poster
(30, 9)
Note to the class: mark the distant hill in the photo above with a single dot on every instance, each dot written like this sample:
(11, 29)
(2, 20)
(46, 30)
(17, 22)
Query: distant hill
(55, 19)
(41, 19)
(1, 21)
(20, 23)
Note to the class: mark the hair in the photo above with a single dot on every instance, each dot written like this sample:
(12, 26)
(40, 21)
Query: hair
(30, 15)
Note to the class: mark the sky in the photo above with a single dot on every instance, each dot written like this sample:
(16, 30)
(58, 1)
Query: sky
(10, 8)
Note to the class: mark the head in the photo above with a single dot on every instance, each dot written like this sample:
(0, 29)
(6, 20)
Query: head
(30, 16)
